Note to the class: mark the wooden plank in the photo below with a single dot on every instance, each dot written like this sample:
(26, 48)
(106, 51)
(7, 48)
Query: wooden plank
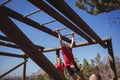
(2, 4)
(12, 32)
(13, 55)
(7, 44)
(49, 10)
(12, 45)
(57, 53)
(73, 16)
(80, 44)
(112, 61)
(24, 69)
(4, 38)
(32, 23)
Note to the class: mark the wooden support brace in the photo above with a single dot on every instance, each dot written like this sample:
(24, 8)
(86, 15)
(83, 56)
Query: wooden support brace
(12, 69)
(57, 53)
(24, 69)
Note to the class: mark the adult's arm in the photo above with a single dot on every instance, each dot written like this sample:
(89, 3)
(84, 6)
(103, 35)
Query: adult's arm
(72, 41)
(60, 38)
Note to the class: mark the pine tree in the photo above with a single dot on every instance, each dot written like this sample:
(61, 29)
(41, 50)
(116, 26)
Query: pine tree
(98, 6)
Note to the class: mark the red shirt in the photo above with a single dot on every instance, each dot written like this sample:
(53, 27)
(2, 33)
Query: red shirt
(60, 67)
(68, 56)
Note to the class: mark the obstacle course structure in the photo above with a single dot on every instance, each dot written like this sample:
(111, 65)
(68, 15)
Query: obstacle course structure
(22, 42)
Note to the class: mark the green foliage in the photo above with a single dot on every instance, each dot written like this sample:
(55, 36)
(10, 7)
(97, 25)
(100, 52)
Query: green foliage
(96, 65)
(97, 6)
(86, 68)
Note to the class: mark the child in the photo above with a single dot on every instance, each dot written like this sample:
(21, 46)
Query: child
(59, 65)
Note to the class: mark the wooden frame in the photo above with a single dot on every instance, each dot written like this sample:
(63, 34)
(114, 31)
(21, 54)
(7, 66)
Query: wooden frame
(31, 50)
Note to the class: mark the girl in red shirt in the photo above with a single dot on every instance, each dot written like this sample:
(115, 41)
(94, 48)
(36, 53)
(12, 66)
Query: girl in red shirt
(59, 65)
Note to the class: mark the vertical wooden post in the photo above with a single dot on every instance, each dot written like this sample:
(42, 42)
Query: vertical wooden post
(57, 53)
(111, 60)
(24, 68)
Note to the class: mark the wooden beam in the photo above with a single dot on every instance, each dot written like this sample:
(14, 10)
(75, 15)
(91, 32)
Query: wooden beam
(77, 45)
(7, 44)
(13, 45)
(32, 23)
(13, 55)
(4, 38)
(112, 61)
(2, 4)
(57, 53)
(24, 69)
(73, 16)
(12, 32)
(12, 69)
(49, 10)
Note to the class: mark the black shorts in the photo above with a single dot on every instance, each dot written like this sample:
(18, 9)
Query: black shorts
(71, 71)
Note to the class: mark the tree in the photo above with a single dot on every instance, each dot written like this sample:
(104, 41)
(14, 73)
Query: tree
(98, 6)
(86, 68)
(117, 61)
(97, 59)
(92, 62)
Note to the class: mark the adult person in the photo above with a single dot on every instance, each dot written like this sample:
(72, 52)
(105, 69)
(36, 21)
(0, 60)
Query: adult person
(68, 57)
(95, 76)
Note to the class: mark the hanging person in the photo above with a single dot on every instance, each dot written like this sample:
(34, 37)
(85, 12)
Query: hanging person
(68, 57)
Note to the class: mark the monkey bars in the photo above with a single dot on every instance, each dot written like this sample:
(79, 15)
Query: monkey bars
(16, 36)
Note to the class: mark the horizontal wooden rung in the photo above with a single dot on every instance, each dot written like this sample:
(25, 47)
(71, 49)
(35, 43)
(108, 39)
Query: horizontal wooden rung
(49, 22)
(31, 13)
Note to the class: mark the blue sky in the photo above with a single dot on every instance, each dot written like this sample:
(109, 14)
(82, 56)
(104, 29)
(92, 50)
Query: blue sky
(101, 24)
